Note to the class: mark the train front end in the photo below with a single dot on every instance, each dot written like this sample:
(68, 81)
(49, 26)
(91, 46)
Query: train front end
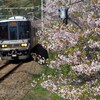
(15, 38)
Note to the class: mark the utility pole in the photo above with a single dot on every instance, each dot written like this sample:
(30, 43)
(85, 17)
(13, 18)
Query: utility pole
(42, 19)
(33, 10)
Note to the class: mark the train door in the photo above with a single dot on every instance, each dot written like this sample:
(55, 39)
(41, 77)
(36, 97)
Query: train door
(13, 31)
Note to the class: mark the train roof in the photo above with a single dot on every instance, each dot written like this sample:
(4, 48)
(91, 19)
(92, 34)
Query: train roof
(14, 18)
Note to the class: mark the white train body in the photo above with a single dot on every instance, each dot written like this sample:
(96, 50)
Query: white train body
(17, 38)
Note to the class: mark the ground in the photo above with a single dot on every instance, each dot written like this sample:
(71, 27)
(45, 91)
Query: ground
(18, 84)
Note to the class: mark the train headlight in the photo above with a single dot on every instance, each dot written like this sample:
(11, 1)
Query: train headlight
(4, 46)
(24, 45)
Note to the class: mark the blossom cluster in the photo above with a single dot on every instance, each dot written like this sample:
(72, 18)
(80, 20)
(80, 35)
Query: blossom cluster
(73, 44)
(94, 44)
(58, 37)
(67, 91)
(87, 69)
(49, 85)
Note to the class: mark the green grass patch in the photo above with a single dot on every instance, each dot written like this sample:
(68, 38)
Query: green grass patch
(49, 71)
(52, 55)
(72, 49)
(97, 97)
(54, 96)
(39, 93)
(65, 69)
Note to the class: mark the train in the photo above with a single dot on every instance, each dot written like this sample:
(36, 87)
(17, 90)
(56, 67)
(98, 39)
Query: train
(17, 38)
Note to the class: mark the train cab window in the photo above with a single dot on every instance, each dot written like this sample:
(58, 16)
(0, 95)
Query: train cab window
(24, 29)
(3, 31)
(13, 32)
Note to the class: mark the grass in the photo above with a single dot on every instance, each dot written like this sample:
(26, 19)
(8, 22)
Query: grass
(97, 97)
(65, 69)
(39, 93)
(49, 71)
(52, 55)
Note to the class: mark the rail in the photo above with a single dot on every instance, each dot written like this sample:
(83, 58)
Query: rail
(8, 69)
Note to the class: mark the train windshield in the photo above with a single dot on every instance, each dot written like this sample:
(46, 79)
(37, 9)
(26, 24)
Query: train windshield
(4, 31)
(15, 30)
(24, 29)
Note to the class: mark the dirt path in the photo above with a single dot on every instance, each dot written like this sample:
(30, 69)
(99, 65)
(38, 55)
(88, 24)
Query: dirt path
(17, 85)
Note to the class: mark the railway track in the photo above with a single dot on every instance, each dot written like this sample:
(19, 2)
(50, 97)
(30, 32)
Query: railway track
(7, 69)
(3, 64)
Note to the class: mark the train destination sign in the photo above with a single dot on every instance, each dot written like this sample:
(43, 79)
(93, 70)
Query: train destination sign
(12, 23)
